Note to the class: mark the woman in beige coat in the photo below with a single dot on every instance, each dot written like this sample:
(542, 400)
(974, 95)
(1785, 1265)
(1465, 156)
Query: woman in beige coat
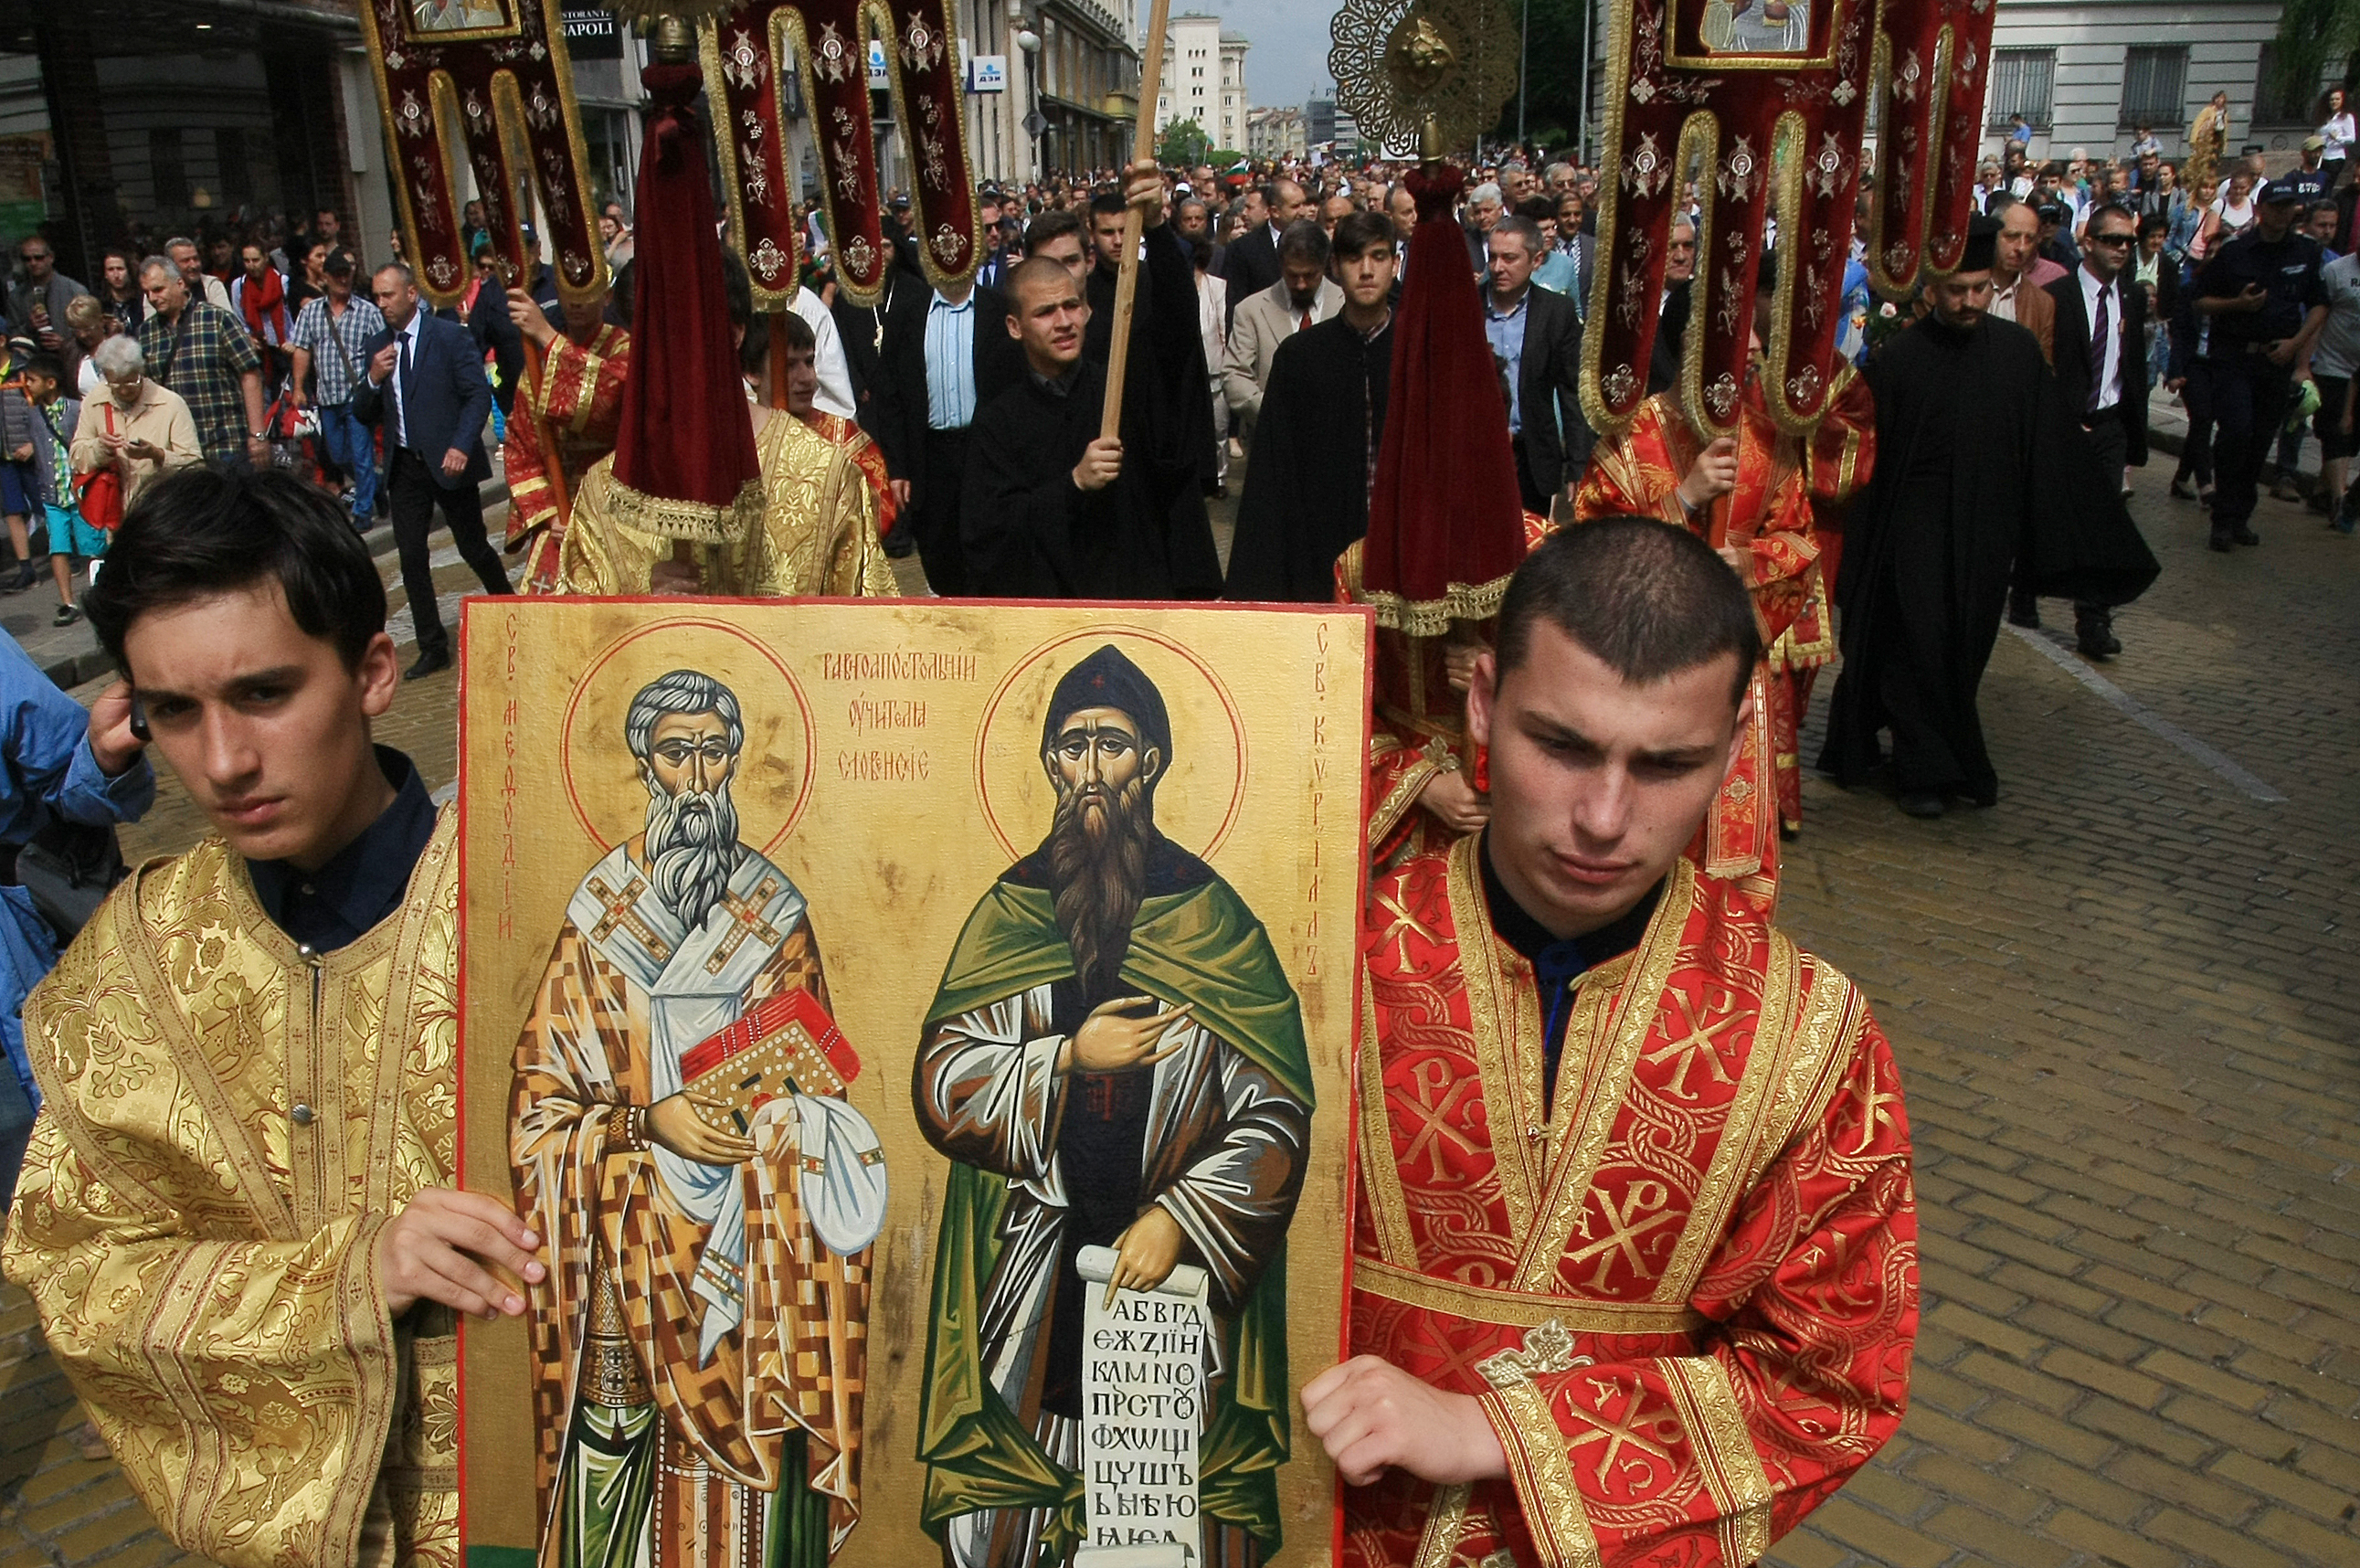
(152, 431)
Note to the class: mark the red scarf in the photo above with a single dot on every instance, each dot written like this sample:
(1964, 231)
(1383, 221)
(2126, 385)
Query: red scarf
(266, 301)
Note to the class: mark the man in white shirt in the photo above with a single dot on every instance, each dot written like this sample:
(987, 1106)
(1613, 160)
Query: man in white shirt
(2335, 369)
(2101, 364)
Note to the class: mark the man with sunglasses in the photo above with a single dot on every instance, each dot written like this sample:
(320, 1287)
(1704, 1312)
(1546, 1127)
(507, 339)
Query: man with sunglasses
(37, 307)
(2100, 341)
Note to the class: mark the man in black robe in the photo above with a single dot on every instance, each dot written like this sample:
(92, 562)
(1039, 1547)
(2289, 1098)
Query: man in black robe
(1976, 467)
(1323, 419)
(1051, 509)
(1166, 371)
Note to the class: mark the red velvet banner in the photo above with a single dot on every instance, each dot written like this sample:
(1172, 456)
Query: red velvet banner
(492, 74)
(1936, 55)
(1764, 102)
(745, 54)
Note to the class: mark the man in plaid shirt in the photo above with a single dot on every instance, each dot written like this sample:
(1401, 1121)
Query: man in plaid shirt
(205, 355)
(331, 342)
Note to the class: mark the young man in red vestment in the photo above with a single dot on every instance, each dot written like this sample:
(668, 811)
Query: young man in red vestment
(580, 393)
(1635, 1274)
(1751, 498)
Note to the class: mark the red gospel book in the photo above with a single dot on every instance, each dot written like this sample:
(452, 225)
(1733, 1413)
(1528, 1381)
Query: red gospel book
(786, 1044)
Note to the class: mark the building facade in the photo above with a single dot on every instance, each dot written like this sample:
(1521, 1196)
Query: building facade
(1276, 133)
(2085, 75)
(1329, 124)
(1205, 80)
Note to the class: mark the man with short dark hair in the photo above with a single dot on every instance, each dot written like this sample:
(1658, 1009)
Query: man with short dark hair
(1303, 297)
(2263, 293)
(1322, 420)
(1052, 508)
(1535, 993)
(1537, 338)
(1978, 481)
(2101, 362)
(320, 1022)
(424, 386)
(1252, 262)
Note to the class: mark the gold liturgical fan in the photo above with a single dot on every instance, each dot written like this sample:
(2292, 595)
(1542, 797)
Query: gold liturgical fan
(1423, 77)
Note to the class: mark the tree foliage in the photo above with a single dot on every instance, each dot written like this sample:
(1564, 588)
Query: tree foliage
(2314, 35)
(1554, 75)
(1182, 144)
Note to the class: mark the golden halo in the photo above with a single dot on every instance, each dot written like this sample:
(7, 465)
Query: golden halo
(602, 778)
(1204, 784)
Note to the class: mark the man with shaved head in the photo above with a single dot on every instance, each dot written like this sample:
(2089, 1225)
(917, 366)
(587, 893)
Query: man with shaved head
(1052, 508)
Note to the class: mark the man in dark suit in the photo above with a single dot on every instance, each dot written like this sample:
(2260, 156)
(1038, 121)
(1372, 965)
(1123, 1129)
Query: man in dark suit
(2101, 363)
(425, 386)
(943, 361)
(1251, 264)
(1536, 335)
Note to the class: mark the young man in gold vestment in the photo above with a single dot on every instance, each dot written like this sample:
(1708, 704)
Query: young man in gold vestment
(236, 1215)
(816, 535)
(1636, 1272)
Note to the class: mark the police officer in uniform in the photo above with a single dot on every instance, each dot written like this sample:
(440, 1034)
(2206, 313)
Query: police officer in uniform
(2263, 293)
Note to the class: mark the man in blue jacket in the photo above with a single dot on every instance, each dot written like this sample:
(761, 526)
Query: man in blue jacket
(55, 761)
(426, 386)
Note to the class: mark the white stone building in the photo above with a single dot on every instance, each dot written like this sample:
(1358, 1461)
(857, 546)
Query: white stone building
(1204, 79)
(2086, 73)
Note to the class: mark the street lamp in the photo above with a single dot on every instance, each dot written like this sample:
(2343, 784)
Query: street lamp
(1029, 42)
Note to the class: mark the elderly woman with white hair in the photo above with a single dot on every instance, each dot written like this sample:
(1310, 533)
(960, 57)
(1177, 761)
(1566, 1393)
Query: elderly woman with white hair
(136, 425)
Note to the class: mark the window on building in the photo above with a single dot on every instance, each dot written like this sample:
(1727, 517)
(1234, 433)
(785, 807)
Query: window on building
(2155, 80)
(2021, 79)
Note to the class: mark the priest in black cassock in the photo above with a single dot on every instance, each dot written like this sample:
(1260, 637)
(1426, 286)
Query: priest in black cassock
(1323, 419)
(1051, 510)
(1976, 466)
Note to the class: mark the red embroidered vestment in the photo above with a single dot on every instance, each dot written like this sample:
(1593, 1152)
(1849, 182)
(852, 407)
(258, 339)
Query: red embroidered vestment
(1684, 1292)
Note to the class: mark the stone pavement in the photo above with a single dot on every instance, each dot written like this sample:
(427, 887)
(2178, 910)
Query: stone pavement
(2121, 1000)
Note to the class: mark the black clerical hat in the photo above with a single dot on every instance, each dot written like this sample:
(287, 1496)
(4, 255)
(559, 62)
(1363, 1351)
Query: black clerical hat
(1983, 245)
(1107, 679)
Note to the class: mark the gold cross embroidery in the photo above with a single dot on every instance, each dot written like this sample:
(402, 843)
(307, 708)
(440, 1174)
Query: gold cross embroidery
(1653, 1436)
(1404, 924)
(622, 910)
(1701, 1041)
(1645, 1205)
(746, 920)
(1434, 1095)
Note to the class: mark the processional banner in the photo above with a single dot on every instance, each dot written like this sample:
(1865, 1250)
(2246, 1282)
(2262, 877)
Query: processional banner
(922, 1037)
(1763, 105)
(488, 82)
(747, 56)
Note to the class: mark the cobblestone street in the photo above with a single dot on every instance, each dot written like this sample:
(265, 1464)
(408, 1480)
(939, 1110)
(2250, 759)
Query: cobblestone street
(2122, 1001)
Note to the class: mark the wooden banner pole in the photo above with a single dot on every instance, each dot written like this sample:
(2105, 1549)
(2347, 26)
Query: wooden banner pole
(1135, 227)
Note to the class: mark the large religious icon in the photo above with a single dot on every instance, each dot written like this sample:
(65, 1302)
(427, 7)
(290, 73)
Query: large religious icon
(1114, 1059)
(702, 1338)
(1757, 27)
(911, 1027)
(457, 15)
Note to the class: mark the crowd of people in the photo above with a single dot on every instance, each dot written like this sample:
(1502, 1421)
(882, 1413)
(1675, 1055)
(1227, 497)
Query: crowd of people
(1586, 750)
